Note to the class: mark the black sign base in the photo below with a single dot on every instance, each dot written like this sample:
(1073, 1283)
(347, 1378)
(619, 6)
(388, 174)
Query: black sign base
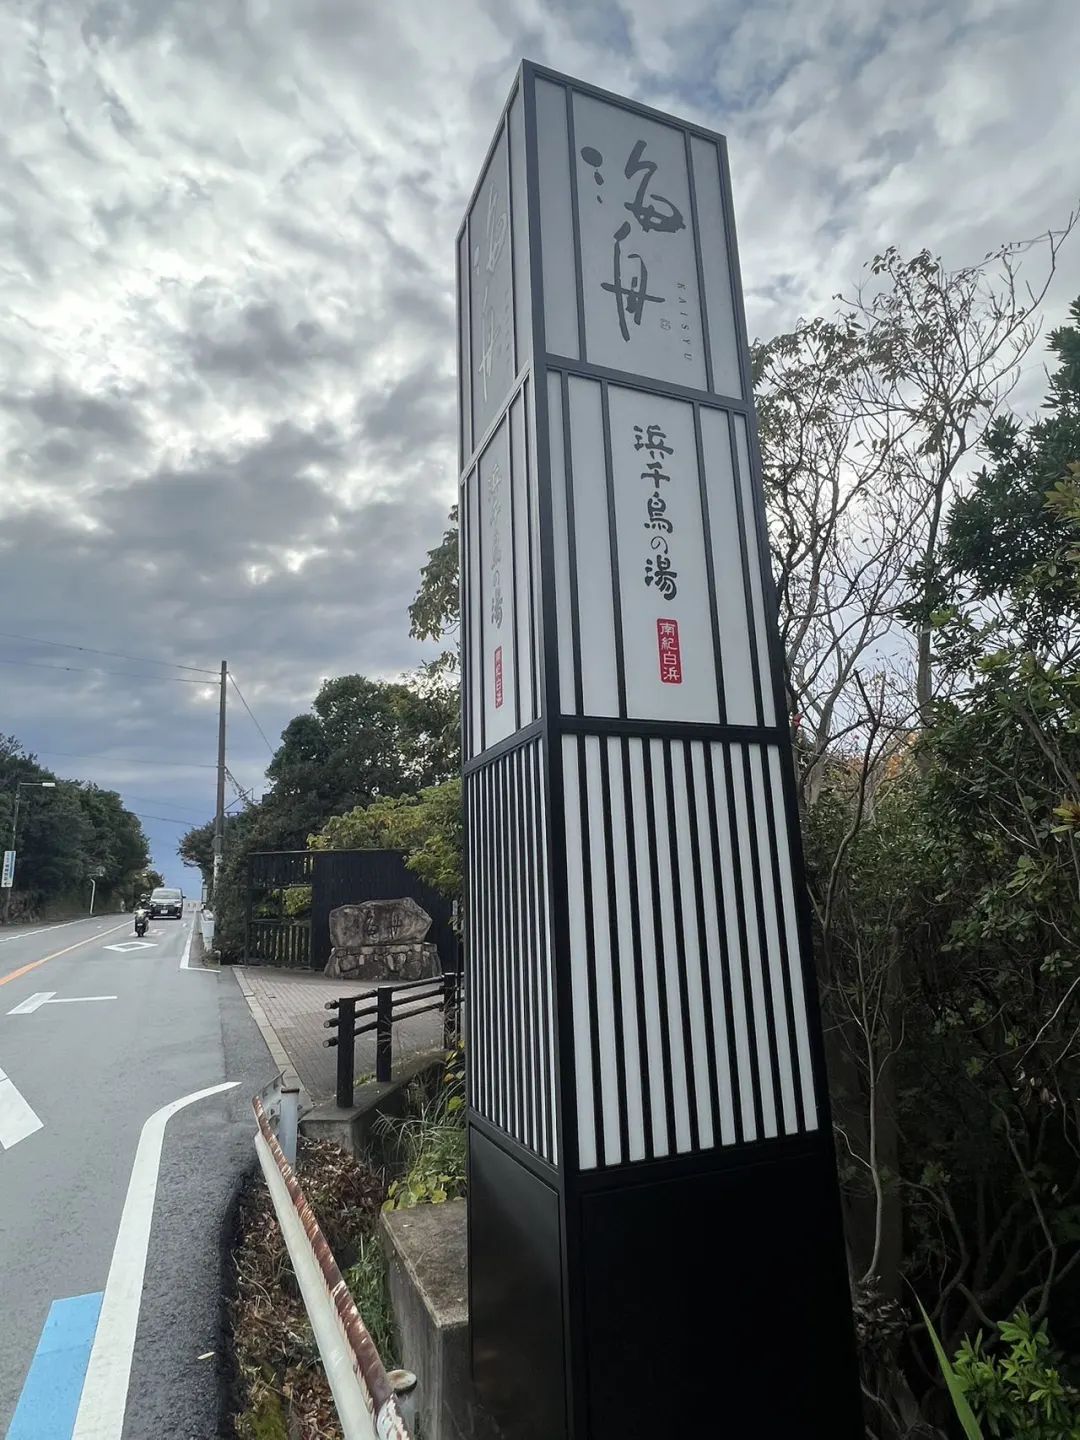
(697, 1303)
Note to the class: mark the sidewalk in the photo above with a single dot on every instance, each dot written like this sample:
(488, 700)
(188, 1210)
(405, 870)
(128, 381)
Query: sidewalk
(289, 1009)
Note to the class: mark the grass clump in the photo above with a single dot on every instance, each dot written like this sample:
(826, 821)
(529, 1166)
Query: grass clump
(370, 1287)
(431, 1142)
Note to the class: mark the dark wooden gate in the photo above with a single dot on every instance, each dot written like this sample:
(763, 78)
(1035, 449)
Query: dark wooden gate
(345, 877)
(336, 877)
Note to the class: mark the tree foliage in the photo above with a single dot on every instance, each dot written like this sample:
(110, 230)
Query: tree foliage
(426, 827)
(363, 742)
(436, 611)
(65, 835)
(945, 876)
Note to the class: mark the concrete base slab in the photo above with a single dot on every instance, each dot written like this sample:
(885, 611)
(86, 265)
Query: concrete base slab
(355, 1128)
(427, 1257)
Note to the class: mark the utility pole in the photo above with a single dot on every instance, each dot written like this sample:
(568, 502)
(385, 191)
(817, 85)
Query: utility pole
(219, 816)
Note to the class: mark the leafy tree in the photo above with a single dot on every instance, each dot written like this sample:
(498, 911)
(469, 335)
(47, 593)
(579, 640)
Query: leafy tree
(364, 741)
(426, 827)
(65, 834)
(196, 848)
(436, 611)
(117, 844)
(947, 894)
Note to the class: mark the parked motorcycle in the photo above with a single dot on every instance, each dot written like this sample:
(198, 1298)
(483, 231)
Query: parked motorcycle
(142, 919)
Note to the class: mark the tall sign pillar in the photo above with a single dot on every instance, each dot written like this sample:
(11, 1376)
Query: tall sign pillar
(654, 1231)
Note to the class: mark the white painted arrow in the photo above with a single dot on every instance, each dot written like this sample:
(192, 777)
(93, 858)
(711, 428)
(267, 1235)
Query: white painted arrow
(77, 999)
(45, 997)
(17, 1120)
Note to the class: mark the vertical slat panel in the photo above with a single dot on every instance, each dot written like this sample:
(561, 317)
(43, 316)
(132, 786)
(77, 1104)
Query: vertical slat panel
(606, 1046)
(511, 984)
(659, 1068)
(794, 956)
(773, 961)
(719, 960)
(578, 957)
(694, 951)
(669, 950)
(548, 959)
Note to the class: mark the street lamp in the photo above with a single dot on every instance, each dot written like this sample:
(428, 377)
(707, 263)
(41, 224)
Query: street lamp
(19, 786)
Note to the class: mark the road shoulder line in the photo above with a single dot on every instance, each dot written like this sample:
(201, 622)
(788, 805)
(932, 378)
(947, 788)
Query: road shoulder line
(108, 1374)
(21, 934)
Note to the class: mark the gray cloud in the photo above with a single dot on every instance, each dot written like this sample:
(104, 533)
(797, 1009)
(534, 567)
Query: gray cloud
(226, 294)
(65, 409)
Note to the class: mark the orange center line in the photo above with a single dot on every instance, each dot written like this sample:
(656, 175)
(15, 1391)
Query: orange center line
(33, 965)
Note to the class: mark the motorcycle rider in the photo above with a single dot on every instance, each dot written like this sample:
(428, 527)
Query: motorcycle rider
(142, 915)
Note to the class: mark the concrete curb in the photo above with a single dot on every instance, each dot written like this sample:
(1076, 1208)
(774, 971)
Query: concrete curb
(277, 1050)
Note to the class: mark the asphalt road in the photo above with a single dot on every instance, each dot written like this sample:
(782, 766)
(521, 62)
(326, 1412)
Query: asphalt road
(80, 1078)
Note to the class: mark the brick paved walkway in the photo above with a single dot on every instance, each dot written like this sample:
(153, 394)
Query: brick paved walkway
(292, 1003)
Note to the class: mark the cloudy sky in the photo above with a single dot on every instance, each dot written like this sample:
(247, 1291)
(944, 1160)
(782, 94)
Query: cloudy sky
(227, 400)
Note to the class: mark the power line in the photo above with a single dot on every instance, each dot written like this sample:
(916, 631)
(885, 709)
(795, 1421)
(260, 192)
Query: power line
(248, 797)
(168, 819)
(148, 800)
(125, 760)
(247, 707)
(99, 670)
(113, 654)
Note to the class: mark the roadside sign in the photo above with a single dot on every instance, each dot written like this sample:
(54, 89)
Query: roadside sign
(7, 877)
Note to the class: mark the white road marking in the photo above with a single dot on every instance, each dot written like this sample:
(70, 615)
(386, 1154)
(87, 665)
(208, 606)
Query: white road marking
(17, 1120)
(126, 945)
(185, 963)
(45, 997)
(104, 1394)
(27, 934)
(78, 999)
(35, 1002)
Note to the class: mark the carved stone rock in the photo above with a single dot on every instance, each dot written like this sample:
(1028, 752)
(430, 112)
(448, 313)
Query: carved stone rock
(378, 922)
(382, 940)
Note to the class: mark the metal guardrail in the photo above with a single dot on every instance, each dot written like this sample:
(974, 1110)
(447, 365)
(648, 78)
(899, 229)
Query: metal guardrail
(379, 1013)
(365, 1398)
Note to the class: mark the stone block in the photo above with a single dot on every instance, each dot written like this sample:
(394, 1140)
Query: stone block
(418, 960)
(358, 1129)
(426, 1251)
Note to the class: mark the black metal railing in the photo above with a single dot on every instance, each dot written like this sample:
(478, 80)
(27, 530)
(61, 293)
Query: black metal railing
(361, 1014)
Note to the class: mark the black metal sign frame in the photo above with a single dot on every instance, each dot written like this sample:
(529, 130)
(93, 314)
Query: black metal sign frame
(704, 1167)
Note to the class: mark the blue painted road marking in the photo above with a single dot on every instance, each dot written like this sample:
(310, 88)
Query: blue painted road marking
(50, 1396)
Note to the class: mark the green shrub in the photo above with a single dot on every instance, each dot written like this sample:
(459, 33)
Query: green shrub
(1019, 1391)
(297, 900)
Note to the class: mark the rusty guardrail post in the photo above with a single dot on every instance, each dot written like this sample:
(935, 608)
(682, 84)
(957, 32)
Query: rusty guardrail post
(364, 1393)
